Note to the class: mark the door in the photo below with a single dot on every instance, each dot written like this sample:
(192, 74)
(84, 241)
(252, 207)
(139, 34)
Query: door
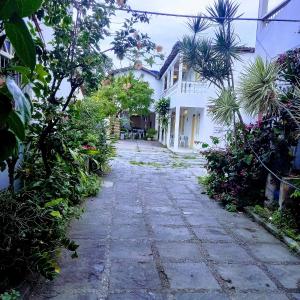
(193, 131)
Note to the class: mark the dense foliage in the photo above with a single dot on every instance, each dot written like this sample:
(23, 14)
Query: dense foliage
(34, 220)
(162, 108)
(124, 94)
(237, 175)
(63, 141)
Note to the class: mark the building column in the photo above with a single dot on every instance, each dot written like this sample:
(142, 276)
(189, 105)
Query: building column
(180, 76)
(168, 133)
(176, 133)
(262, 11)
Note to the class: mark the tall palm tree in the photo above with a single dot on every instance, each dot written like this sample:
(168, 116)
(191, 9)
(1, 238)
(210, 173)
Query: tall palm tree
(214, 58)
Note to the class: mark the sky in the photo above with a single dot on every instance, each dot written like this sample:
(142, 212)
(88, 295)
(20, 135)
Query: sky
(166, 31)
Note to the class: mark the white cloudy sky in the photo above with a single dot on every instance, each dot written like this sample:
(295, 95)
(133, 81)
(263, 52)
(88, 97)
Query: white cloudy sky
(166, 31)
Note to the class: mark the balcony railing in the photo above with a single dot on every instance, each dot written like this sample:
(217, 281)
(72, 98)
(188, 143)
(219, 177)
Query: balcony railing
(171, 90)
(187, 87)
(193, 87)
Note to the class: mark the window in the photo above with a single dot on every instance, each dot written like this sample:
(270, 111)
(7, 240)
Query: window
(198, 126)
(184, 72)
(176, 72)
(198, 76)
(165, 82)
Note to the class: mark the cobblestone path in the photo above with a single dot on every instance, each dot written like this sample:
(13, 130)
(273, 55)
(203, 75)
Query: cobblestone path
(151, 234)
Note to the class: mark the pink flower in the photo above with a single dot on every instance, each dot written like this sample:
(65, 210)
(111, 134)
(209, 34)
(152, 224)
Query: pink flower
(87, 147)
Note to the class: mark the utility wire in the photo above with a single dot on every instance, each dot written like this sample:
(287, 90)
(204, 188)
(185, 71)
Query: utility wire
(204, 16)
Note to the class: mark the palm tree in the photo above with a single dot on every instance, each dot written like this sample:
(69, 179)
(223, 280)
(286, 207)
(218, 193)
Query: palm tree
(224, 107)
(214, 58)
(259, 91)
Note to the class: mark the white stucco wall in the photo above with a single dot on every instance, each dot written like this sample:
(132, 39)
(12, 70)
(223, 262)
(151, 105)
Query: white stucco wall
(275, 38)
(198, 103)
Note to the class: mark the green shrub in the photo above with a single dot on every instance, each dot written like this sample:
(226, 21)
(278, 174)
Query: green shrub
(151, 132)
(11, 295)
(284, 220)
(34, 220)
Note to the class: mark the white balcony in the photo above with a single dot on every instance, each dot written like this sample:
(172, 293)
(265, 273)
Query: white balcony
(186, 87)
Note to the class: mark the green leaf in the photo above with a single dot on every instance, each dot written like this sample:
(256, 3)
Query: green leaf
(21, 39)
(54, 202)
(16, 124)
(20, 8)
(22, 104)
(56, 214)
(8, 144)
(20, 69)
(42, 74)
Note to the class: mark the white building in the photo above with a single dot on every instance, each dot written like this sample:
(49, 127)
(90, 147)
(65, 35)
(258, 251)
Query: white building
(274, 38)
(151, 77)
(190, 124)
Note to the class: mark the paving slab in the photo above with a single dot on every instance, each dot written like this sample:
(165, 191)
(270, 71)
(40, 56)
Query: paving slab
(179, 251)
(288, 275)
(245, 277)
(134, 275)
(201, 296)
(190, 276)
(150, 234)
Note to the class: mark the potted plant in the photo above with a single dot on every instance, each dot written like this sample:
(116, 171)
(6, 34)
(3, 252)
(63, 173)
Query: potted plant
(151, 132)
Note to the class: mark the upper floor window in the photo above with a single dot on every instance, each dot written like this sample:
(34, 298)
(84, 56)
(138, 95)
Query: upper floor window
(198, 76)
(184, 72)
(176, 72)
(165, 82)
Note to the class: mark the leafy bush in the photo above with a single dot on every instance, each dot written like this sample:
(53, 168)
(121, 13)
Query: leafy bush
(12, 295)
(162, 108)
(236, 176)
(34, 220)
(284, 220)
(151, 132)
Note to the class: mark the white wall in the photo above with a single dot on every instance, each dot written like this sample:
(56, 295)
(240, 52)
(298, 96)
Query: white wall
(200, 102)
(275, 38)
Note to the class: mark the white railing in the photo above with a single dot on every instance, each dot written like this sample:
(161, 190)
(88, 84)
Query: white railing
(171, 90)
(187, 87)
(193, 87)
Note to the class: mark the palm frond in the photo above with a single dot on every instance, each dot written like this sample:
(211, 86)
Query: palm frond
(226, 44)
(223, 10)
(188, 48)
(224, 107)
(259, 92)
(197, 25)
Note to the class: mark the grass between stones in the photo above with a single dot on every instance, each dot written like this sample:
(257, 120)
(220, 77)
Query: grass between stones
(145, 164)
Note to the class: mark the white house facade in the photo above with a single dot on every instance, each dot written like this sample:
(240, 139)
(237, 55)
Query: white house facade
(274, 38)
(190, 124)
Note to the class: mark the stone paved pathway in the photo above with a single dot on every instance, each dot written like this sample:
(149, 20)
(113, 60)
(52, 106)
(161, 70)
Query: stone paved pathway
(151, 234)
